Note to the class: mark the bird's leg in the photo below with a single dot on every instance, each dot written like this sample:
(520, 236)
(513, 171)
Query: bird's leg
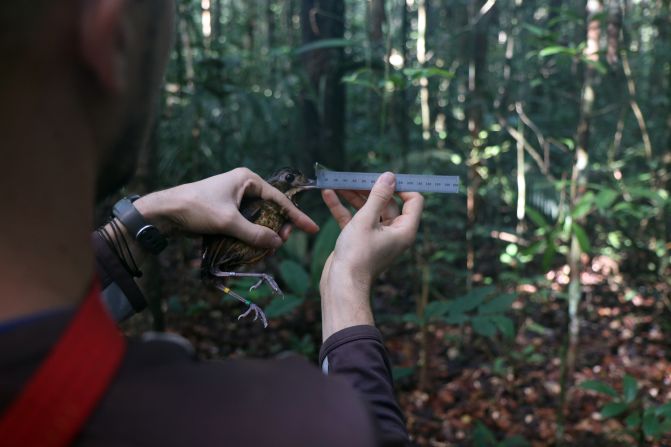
(258, 312)
(262, 277)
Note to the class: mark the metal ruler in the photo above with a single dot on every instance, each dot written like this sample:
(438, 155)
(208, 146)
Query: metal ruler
(404, 182)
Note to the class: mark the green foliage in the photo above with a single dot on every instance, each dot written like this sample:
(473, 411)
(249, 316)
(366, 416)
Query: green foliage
(323, 247)
(483, 437)
(295, 277)
(482, 308)
(641, 419)
(280, 306)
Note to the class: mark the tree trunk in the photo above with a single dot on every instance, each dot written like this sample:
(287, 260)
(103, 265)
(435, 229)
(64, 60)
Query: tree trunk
(477, 58)
(323, 100)
(421, 61)
(579, 177)
(402, 115)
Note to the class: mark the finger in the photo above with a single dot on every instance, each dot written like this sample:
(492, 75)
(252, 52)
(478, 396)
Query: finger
(285, 231)
(356, 199)
(379, 197)
(253, 234)
(259, 187)
(413, 204)
(391, 211)
(339, 212)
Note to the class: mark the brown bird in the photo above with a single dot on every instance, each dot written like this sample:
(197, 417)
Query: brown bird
(222, 255)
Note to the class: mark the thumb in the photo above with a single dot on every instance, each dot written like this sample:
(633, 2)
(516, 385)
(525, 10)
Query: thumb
(382, 192)
(253, 234)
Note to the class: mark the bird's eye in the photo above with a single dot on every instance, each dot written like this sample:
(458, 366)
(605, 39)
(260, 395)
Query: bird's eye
(289, 178)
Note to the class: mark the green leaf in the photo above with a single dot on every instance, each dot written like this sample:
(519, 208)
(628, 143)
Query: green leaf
(549, 255)
(398, 372)
(651, 425)
(605, 198)
(664, 410)
(297, 246)
(323, 44)
(599, 387)
(630, 388)
(613, 409)
(471, 300)
(505, 325)
(556, 49)
(537, 218)
(514, 441)
(583, 240)
(323, 247)
(412, 318)
(295, 276)
(456, 319)
(498, 305)
(282, 306)
(436, 309)
(583, 206)
(482, 436)
(633, 420)
(484, 326)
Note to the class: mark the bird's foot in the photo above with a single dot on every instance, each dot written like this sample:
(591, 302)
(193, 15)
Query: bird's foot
(268, 279)
(258, 312)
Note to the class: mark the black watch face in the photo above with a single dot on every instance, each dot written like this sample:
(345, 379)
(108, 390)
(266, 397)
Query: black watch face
(151, 239)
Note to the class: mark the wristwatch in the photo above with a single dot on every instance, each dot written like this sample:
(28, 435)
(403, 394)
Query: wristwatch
(144, 233)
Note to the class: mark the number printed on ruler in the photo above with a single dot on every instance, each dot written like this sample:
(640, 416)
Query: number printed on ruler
(404, 182)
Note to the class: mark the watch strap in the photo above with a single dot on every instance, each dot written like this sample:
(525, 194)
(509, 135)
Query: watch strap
(142, 231)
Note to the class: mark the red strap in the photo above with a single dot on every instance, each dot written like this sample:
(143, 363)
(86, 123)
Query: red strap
(58, 399)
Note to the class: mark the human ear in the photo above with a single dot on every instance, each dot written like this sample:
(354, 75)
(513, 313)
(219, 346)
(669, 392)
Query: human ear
(103, 42)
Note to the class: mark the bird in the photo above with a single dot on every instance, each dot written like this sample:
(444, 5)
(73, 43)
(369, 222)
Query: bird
(223, 255)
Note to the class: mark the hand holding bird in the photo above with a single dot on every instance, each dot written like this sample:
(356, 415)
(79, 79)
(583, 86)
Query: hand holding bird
(224, 255)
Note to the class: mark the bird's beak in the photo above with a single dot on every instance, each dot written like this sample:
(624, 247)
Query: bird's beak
(309, 184)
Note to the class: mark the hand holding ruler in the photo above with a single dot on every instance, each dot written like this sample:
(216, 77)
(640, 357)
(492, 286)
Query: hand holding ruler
(404, 182)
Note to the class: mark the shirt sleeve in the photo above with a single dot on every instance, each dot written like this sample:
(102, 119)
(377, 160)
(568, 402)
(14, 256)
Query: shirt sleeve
(121, 294)
(358, 355)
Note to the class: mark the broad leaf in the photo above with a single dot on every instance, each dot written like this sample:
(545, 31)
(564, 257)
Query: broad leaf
(484, 326)
(323, 44)
(613, 409)
(599, 387)
(630, 388)
(498, 305)
(651, 425)
(471, 300)
(295, 276)
(583, 240)
(505, 325)
(282, 305)
(323, 247)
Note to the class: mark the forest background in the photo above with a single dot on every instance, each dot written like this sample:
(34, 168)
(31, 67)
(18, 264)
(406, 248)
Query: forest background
(534, 308)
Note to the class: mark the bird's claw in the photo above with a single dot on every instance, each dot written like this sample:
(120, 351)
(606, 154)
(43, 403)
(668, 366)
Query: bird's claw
(271, 283)
(258, 312)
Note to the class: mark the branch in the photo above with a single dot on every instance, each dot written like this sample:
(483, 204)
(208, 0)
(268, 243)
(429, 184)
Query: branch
(631, 86)
(529, 148)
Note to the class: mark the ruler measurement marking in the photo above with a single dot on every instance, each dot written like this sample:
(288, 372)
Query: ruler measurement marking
(404, 182)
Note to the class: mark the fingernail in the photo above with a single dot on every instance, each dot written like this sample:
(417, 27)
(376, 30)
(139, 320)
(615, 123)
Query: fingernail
(277, 241)
(388, 179)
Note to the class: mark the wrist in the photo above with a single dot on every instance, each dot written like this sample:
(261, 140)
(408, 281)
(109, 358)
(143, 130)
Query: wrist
(159, 211)
(345, 302)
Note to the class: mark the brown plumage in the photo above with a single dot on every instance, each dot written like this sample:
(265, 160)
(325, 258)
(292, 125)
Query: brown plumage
(222, 255)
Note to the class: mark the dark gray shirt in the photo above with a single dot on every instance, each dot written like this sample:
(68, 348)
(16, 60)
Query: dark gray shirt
(162, 395)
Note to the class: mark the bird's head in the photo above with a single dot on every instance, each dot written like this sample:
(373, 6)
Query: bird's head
(291, 181)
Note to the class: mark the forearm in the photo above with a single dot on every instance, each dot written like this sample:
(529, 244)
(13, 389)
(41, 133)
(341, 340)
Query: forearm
(345, 301)
(357, 354)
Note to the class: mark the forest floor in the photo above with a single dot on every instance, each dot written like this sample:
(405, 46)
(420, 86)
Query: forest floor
(512, 387)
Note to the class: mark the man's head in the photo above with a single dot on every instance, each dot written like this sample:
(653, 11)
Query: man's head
(106, 57)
